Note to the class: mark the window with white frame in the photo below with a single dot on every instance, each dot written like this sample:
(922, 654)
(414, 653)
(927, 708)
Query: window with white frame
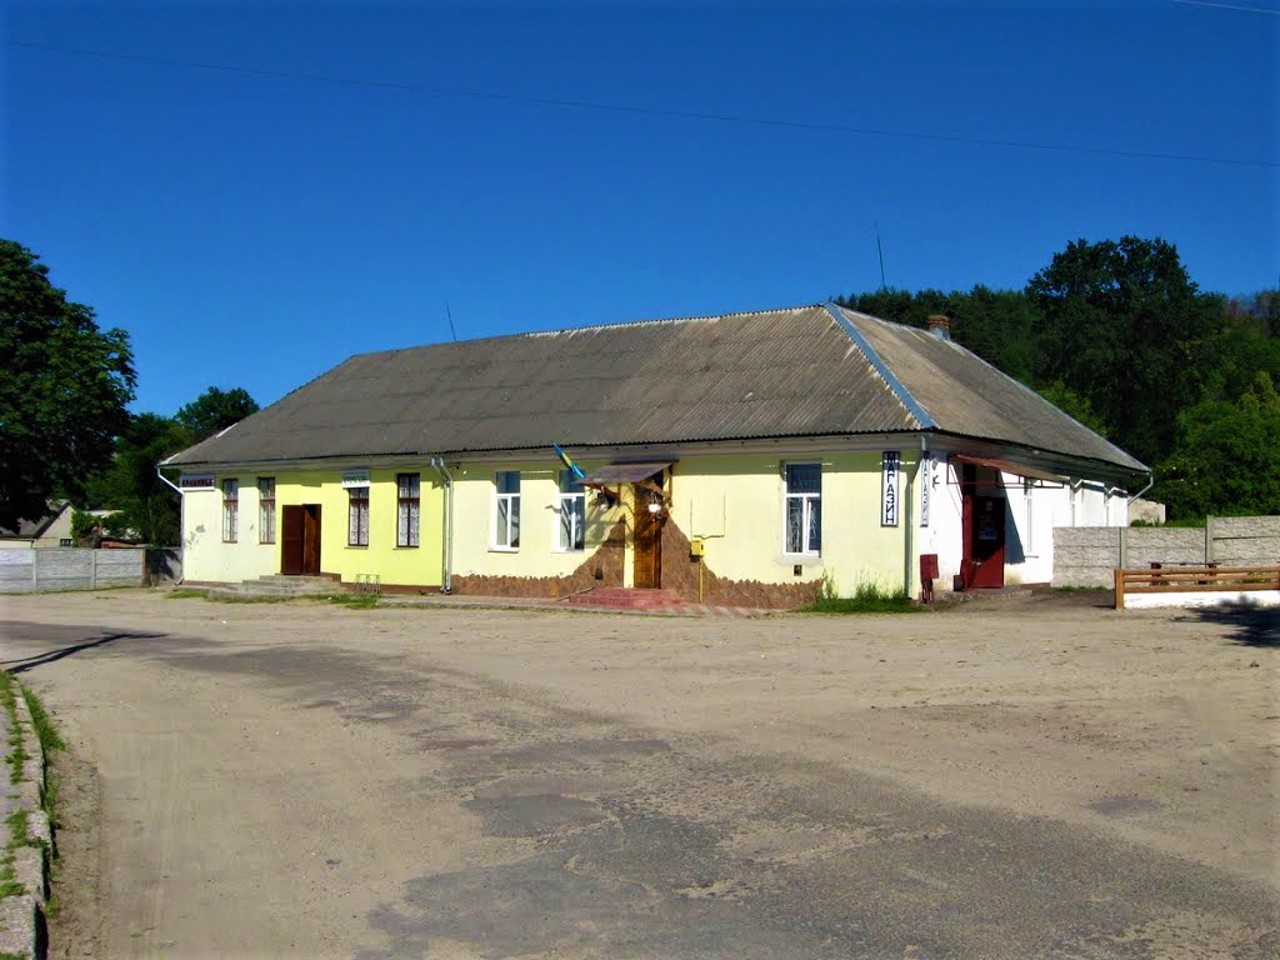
(358, 516)
(266, 509)
(230, 510)
(804, 508)
(573, 512)
(506, 510)
(409, 487)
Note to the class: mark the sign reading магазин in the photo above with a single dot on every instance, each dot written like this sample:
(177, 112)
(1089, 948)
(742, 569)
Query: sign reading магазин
(926, 485)
(889, 504)
(196, 481)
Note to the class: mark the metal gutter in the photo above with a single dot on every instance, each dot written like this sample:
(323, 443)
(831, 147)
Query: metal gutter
(877, 363)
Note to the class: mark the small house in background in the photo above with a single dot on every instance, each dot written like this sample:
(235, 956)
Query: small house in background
(51, 530)
(744, 459)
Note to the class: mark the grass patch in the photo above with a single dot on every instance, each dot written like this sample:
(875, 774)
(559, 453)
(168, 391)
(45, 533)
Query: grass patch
(17, 753)
(354, 601)
(17, 823)
(50, 739)
(185, 593)
(867, 598)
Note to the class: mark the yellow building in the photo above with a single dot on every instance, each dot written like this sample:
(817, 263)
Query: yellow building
(747, 459)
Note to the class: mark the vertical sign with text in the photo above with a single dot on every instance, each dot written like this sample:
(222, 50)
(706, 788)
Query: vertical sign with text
(889, 505)
(926, 488)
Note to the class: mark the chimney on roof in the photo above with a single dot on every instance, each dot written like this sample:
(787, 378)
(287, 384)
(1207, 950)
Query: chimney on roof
(940, 326)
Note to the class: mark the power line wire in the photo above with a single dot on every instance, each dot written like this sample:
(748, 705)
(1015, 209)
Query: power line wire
(603, 106)
(1227, 6)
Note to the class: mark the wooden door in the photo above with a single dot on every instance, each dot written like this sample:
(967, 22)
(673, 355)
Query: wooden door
(292, 533)
(300, 541)
(648, 541)
(311, 539)
(986, 547)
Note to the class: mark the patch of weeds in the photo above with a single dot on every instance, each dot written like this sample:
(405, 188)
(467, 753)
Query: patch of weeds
(354, 601)
(867, 598)
(18, 837)
(186, 593)
(50, 739)
(17, 753)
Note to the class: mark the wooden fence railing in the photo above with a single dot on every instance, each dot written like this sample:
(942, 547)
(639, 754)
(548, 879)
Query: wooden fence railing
(1166, 578)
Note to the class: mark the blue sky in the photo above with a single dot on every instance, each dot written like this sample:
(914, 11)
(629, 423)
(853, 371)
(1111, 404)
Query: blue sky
(256, 191)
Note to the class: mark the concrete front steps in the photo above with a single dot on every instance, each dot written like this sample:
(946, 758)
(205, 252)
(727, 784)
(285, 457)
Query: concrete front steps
(278, 585)
(625, 598)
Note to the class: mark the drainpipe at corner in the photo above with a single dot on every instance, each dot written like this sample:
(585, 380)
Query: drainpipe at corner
(446, 584)
(182, 512)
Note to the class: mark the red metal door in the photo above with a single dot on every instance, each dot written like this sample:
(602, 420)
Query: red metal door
(986, 542)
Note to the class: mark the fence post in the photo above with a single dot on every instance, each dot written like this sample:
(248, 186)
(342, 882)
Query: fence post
(93, 570)
(1119, 588)
(1124, 547)
(35, 574)
(1208, 540)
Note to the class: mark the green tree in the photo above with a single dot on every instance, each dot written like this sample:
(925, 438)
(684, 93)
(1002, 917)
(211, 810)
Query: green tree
(1224, 462)
(64, 388)
(215, 410)
(1124, 327)
(144, 505)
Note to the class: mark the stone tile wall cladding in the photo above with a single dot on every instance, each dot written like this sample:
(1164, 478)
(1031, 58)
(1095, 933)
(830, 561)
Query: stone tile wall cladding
(680, 573)
(1088, 556)
(604, 568)
(601, 569)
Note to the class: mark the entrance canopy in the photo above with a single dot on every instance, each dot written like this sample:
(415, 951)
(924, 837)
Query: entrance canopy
(1005, 466)
(625, 472)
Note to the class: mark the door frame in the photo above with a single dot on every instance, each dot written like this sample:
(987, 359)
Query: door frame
(646, 564)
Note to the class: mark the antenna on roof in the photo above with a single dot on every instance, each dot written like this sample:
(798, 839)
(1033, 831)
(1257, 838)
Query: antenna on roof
(880, 251)
(449, 313)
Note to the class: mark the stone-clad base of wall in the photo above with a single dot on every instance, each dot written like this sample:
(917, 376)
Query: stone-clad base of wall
(602, 569)
(1088, 556)
(605, 568)
(680, 573)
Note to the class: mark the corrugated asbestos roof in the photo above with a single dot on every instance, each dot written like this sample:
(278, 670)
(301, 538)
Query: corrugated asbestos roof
(966, 395)
(779, 373)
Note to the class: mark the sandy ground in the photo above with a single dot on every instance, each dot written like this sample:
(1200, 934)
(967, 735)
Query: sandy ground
(1034, 777)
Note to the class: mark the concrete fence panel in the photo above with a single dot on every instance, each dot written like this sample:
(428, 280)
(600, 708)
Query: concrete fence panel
(16, 570)
(59, 568)
(1087, 556)
(1246, 541)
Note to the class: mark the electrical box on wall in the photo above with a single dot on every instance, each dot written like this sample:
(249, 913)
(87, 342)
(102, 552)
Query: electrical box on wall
(696, 548)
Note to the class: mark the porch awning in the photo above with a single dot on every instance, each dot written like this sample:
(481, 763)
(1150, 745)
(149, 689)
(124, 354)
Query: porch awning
(625, 472)
(1005, 466)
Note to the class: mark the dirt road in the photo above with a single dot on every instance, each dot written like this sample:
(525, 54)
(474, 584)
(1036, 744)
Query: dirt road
(1034, 778)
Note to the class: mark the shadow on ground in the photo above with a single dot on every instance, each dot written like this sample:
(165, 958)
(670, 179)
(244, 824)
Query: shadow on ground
(23, 664)
(1249, 625)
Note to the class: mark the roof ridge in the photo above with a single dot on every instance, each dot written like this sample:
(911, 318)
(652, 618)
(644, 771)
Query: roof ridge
(904, 396)
(697, 318)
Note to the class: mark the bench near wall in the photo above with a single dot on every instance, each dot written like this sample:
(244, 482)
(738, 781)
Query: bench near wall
(1192, 586)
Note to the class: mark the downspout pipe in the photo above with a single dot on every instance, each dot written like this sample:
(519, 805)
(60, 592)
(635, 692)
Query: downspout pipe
(446, 582)
(182, 511)
(177, 489)
(1151, 480)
